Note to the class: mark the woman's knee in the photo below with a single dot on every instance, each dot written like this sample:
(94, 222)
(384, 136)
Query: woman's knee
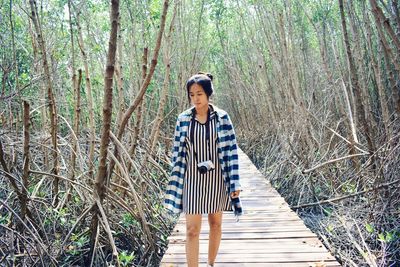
(192, 231)
(215, 221)
(215, 225)
(193, 225)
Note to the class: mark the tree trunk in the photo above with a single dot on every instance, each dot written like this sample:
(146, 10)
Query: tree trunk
(396, 15)
(139, 113)
(77, 99)
(50, 98)
(149, 75)
(389, 56)
(197, 41)
(92, 128)
(43, 116)
(394, 87)
(378, 78)
(101, 180)
(119, 76)
(145, 84)
(291, 80)
(355, 83)
(350, 113)
(75, 138)
(26, 161)
(23, 193)
(15, 61)
(386, 23)
(163, 97)
(359, 55)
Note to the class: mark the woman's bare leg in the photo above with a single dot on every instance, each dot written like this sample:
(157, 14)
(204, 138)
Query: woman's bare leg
(193, 226)
(215, 221)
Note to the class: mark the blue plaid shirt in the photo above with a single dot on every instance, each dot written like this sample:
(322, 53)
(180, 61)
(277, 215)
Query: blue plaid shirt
(227, 152)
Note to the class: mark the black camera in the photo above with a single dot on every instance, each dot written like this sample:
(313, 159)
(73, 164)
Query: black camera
(205, 166)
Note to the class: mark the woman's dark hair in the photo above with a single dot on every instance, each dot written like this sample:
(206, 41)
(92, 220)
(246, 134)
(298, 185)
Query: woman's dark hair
(204, 80)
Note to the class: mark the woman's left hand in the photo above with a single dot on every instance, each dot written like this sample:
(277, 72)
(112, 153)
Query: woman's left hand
(235, 194)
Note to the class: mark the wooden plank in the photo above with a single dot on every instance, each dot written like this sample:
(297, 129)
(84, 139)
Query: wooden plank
(307, 241)
(267, 217)
(265, 264)
(232, 230)
(251, 248)
(261, 257)
(243, 225)
(268, 234)
(253, 227)
(258, 235)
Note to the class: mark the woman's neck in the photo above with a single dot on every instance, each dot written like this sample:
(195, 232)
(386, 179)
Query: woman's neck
(202, 111)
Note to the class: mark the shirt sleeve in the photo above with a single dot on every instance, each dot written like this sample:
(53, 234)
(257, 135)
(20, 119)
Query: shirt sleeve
(233, 160)
(175, 149)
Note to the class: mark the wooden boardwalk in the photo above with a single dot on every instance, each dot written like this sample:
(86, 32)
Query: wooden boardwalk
(268, 234)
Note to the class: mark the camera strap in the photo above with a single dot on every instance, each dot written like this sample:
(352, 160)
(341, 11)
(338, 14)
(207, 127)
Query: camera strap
(208, 125)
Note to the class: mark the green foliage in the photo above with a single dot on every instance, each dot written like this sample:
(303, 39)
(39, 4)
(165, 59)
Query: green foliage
(387, 237)
(78, 242)
(55, 216)
(370, 228)
(62, 216)
(328, 211)
(329, 228)
(155, 8)
(349, 187)
(125, 258)
(5, 218)
(128, 220)
(77, 199)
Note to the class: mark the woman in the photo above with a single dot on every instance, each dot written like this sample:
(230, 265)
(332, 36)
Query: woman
(205, 169)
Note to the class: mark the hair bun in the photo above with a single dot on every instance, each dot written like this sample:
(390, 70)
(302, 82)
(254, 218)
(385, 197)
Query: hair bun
(209, 75)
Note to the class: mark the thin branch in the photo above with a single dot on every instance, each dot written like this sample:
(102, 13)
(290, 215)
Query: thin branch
(7, 172)
(108, 229)
(328, 201)
(146, 82)
(332, 161)
(29, 229)
(72, 229)
(62, 178)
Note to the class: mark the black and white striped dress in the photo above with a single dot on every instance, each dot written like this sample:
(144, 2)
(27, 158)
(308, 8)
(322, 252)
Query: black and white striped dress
(203, 193)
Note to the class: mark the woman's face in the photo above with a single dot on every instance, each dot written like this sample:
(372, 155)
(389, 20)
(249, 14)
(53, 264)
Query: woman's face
(198, 96)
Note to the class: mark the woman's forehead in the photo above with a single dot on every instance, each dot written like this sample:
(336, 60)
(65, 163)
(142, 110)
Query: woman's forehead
(195, 88)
